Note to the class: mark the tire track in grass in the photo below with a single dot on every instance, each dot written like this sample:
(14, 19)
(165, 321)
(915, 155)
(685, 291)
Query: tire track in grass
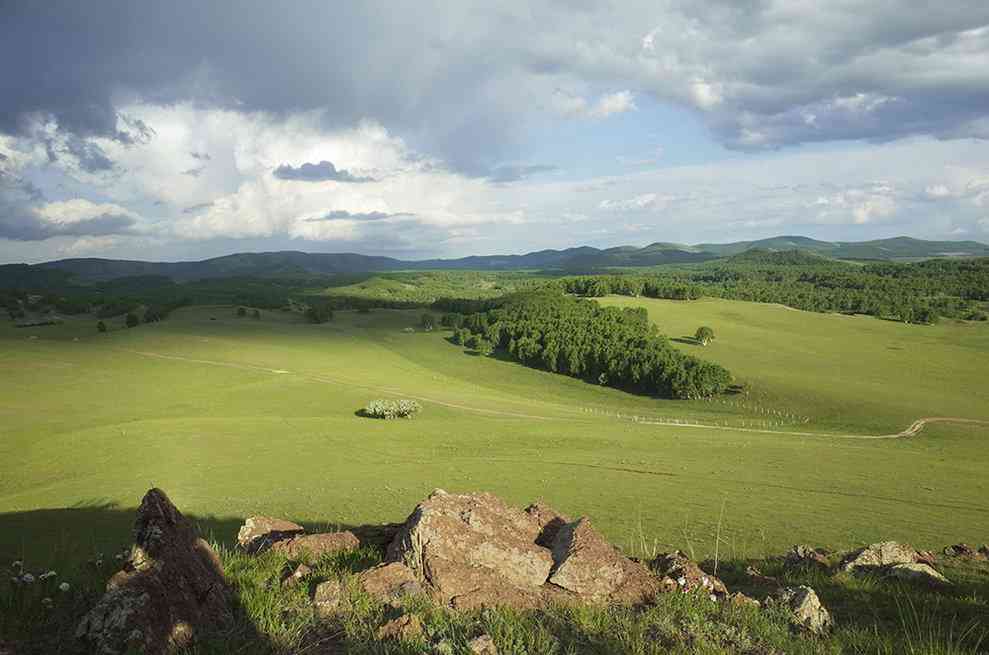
(914, 429)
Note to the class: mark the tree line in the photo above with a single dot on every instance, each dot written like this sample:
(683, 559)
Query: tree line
(576, 337)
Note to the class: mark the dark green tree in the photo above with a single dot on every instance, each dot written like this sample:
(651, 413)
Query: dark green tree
(132, 320)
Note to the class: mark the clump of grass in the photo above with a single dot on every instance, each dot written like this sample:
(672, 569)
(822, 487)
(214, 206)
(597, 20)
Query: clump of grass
(390, 409)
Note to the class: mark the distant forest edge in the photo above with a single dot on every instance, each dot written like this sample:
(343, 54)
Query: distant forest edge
(583, 259)
(916, 292)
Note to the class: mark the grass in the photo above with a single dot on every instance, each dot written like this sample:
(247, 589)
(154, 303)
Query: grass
(234, 417)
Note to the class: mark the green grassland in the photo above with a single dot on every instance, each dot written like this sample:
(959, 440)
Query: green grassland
(234, 416)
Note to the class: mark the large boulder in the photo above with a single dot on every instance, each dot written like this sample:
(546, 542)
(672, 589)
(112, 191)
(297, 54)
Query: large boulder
(170, 591)
(878, 556)
(390, 582)
(586, 565)
(804, 608)
(259, 532)
(310, 547)
(473, 550)
(549, 520)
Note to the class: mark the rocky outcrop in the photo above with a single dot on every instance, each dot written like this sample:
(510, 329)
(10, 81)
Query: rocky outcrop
(804, 557)
(805, 609)
(586, 565)
(483, 645)
(964, 551)
(879, 555)
(473, 550)
(389, 583)
(170, 591)
(918, 573)
(549, 520)
(259, 532)
(311, 547)
(405, 627)
(327, 598)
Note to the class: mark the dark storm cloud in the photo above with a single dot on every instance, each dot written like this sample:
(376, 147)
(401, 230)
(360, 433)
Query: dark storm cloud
(20, 222)
(341, 215)
(324, 171)
(450, 78)
(201, 156)
(194, 172)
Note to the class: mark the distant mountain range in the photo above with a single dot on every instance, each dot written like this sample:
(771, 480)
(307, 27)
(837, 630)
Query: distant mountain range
(291, 263)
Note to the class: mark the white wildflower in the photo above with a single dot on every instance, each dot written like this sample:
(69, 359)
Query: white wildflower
(64, 587)
(18, 564)
(713, 598)
(681, 581)
(27, 578)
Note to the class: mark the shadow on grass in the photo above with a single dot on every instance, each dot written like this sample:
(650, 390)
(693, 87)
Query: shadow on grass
(689, 341)
(82, 544)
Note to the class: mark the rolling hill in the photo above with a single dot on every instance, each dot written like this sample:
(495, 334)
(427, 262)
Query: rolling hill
(585, 258)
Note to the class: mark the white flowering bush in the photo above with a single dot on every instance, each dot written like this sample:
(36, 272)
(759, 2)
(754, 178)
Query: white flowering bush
(388, 409)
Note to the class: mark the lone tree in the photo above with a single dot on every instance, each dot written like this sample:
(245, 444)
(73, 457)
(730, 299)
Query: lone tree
(101, 326)
(319, 314)
(132, 320)
(704, 335)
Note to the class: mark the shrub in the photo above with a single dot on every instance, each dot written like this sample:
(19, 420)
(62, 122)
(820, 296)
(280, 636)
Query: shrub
(101, 326)
(256, 314)
(389, 409)
(132, 320)
(241, 312)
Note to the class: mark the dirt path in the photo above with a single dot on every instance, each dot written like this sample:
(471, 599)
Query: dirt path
(914, 429)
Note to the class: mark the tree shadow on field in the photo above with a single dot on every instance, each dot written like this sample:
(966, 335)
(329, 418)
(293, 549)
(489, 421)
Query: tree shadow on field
(82, 544)
(687, 340)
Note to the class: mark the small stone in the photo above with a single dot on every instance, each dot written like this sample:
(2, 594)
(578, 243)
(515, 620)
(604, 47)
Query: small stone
(483, 645)
(805, 608)
(327, 597)
(961, 550)
(390, 582)
(313, 546)
(802, 556)
(405, 628)
(259, 532)
(879, 555)
(292, 577)
(740, 599)
(921, 573)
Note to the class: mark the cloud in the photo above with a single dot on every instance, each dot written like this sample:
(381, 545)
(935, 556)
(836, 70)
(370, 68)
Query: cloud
(195, 209)
(71, 218)
(201, 156)
(607, 105)
(342, 215)
(324, 171)
(194, 172)
(517, 172)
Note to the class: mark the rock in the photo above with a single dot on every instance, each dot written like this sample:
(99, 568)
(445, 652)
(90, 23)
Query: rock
(291, 577)
(805, 609)
(406, 628)
(259, 532)
(918, 572)
(984, 550)
(171, 590)
(550, 521)
(766, 582)
(390, 582)
(740, 599)
(926, 557)
(313, 546)
(473, 550)
(483, 645)
(376, 536)
(327, 597)
(802, 557)
(961, 550)
(879, 555)
(687, 575)
(592, 569)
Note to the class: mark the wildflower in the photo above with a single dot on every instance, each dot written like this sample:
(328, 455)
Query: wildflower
(681, 581)
(18, 564)
(64, 587)
(713, 598)
(47, 575)
(47, 602)
(27, 578)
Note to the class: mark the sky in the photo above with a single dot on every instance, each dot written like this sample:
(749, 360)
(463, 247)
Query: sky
(187, 129)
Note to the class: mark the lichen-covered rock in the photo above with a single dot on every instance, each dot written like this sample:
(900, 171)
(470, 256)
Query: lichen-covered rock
(473, 550)
(801, 556)
(171, 590)
(805, 609)
(259, 532)
(593, 570)
(483, 645)
(310, 547)
(687, 575)
(390, 582)
(327, 597)
(550, 521)
(963, 551)
(879, 555)
(918, 573)
(292, 576)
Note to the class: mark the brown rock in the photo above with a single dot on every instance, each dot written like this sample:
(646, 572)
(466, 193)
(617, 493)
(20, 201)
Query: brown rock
(293, 576)
(802, 557)
(961, 550)
(406, 628)
(259, 532)
(687, 574)
(310, 547)
(549, 520)
(879, 555)
(390, 582)
(740, 599)
(594, 570)
(766, 582)
(483, 645)
(376, 536)
(171, 590)
(327, 597)
(984, 550)
(473, 550)
(926, 557)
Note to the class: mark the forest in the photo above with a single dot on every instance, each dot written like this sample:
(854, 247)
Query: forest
(577, 337)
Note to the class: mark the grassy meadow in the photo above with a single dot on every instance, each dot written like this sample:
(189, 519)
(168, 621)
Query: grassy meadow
(236, 416)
